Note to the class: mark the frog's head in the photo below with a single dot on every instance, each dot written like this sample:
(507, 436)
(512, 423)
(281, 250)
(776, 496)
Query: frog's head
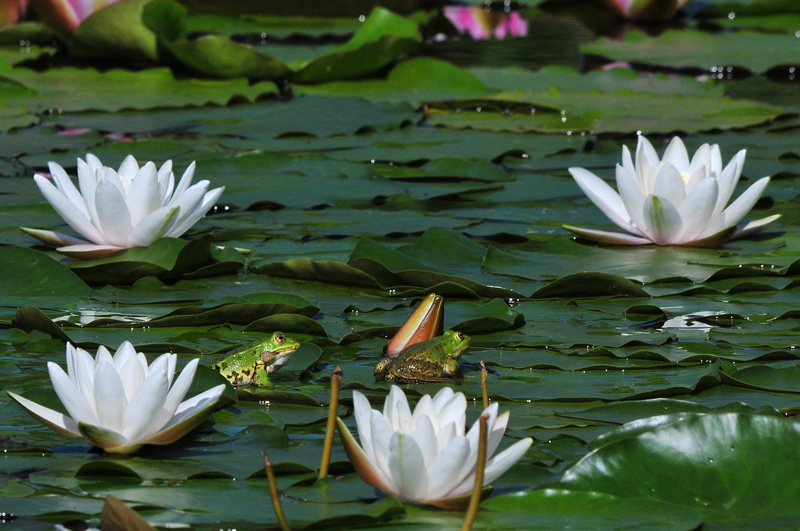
(450, 345)
(276, 351)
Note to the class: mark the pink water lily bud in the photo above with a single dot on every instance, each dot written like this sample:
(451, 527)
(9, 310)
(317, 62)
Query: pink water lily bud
(66, 15)
(119, 402)
(646, 9)
(672, 200)
(480, 23)
(118, 209)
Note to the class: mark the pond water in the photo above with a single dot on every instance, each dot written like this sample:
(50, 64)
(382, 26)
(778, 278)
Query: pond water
(414, 159)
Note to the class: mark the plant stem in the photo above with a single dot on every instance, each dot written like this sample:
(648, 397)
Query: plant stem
(327, 448)
(480, 468)
(484, 386)
(273, 493)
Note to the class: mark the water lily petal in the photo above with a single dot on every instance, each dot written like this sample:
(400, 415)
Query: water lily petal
(426, 438)
(676, 154)
(189, 216)
(144, 195)
(54, 420)
(103, 355)
(381, 437)
(154, 225)
(64, 183)
(363, 414)
(144, 405)
(728, 179)
(88, 251)
(450, 463)
(124, 353)
(697, 209)
(424, 408)
(646, 161)
(115, 221)
(611, 238)
(447, 432)
(499, 464)
(189, 419)
(396, 410)
(407, 465)
(73, 400)
(627, 165)
(632, 198)
(166, 182)
(83, 378)
(663, 220)
(69, 212)
(94, 164)
(744, 229)
(110, 397)
(495, 467)
(185, 182)
(179, 389)
(161, 363)
(669, 185)
(87, 180)
(51, 238)
(132, 375)
(362, 464)
(602, 195)
(717, 239)
(109, 440)
(127, 171)
(495, 435)
(745, 202)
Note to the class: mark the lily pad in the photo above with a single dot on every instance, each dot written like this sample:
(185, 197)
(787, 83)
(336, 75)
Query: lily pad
(168, 259)
(715, 451)
(697, 49)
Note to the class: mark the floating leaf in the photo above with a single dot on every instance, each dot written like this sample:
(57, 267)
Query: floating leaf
(701, 462)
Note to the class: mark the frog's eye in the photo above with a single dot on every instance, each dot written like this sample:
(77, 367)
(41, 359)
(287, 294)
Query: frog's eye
(459, 336)
(279, 338)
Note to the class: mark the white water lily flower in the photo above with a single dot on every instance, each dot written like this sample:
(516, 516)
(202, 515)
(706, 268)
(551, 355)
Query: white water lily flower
(673, 201)
(115, 210)
(119, 403)
(424, 457)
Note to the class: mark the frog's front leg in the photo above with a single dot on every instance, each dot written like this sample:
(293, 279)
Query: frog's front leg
(262, 378)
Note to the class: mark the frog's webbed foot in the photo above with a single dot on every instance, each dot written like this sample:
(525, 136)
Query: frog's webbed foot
(261, 378)
(452, 369)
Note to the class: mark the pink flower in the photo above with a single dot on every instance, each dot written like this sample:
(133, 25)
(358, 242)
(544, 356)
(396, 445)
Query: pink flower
(481, 24)
(647, 9)
(66, 15)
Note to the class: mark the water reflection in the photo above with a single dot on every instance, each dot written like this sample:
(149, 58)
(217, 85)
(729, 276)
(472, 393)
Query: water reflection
(481, 24)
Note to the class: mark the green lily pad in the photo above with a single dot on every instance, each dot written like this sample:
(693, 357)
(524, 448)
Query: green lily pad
(72, 89)
(715, 451)
(697, 49)
(29, 273)
(563, 509)
(168, 259)
(596, 112)
(414, 80)
(382, 37)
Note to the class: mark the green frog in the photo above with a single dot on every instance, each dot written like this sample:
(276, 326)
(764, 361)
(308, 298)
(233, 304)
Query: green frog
(252, 365)
(434, 360)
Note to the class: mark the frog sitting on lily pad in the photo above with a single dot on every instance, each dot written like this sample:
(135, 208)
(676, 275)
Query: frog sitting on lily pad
(420, 352)
(252, 364)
